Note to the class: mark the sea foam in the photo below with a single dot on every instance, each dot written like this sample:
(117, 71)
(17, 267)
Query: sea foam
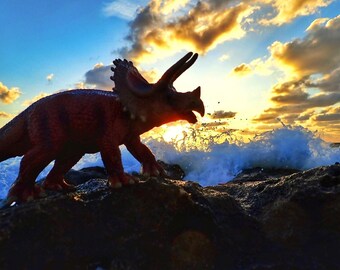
(210, 161)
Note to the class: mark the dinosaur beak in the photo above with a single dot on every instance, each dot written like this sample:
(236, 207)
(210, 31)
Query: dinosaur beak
(198, 106)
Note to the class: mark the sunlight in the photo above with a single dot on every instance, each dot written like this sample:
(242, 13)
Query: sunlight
(175, 133)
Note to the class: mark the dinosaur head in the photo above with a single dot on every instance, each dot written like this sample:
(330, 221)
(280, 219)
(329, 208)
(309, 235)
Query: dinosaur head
(159, 100)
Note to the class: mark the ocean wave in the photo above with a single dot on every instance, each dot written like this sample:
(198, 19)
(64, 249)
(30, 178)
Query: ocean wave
(210, 159)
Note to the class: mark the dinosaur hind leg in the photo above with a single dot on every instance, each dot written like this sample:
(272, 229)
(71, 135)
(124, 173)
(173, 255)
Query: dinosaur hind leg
(55, 179)
(33, 162)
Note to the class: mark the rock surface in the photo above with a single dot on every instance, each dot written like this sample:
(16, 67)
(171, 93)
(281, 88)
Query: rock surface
(271, 220)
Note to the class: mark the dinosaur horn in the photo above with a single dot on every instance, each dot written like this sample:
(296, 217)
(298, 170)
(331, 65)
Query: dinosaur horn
(184, 67)
(167, 77)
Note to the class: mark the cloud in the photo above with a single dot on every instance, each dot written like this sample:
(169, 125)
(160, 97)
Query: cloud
(286, 11)
(327, 117)
(82, 85)
(224, 57)
(123, 9)
(297, 105)
(163, 27)
(260, 66)
(329, 83)
(50, 77)
(215, 124)
(317, 52)
(310, 92)
(222, 114)
(242, 69)
(36, 98)
(99, 77)
(9, 95)
(155, 32)
(5, 115)
(294, 97)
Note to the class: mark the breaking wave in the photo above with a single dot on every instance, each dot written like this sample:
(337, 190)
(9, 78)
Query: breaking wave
(210, 159)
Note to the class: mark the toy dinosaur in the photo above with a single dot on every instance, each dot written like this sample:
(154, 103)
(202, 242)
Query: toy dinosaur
(64, 126)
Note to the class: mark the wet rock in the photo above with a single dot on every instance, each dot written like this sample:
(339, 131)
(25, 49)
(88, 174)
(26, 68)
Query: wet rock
(287, 222)
(173, 171)
(260, 174)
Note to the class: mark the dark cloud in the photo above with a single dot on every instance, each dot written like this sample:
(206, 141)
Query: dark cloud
(215, 124)
(242, 69)
(329, 83)
(222, 114)
(99, 77)
(327, 117)
(294, 97)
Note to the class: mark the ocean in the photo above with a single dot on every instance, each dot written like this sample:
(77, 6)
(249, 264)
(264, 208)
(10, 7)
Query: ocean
(214, 159)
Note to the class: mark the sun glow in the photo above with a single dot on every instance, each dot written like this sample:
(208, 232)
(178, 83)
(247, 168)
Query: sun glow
(175, 133)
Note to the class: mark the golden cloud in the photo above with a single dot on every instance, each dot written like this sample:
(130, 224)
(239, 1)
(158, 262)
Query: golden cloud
(8, 95)
(163, 27)
(310, 94)
(318, 52)
(286, 11)
(168, 6)
(329, 82)
(5, 115)
(242, 69)
(36, 98)
(201, 28)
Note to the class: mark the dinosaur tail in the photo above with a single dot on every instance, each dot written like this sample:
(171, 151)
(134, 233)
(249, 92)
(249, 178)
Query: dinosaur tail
(13, 138)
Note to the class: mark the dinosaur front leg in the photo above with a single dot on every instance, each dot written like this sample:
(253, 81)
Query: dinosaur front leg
(55, 179)
(112, 160)
(143, 154)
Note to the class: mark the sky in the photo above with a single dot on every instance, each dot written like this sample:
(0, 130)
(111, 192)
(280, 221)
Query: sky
(262, 63)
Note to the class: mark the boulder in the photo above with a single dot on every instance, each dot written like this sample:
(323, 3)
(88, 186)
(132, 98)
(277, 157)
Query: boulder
(279, 222)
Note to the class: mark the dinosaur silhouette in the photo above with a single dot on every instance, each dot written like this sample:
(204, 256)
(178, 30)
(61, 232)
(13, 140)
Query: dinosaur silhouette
(64, 126)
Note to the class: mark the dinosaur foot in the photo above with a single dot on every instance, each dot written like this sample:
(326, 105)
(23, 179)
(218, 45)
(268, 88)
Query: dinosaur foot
(58, 185)
(118, 182)
(24, 193)
(153, 169)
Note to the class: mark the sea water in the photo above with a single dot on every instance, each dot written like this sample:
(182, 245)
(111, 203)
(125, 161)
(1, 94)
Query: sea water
(210, 160)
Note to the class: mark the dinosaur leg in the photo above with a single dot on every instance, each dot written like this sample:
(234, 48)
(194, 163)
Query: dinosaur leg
(143, 154)
(113, 163)
(33, 162)
(55, 179)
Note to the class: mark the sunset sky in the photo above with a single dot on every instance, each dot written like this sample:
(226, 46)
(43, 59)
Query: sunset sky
(260, 60)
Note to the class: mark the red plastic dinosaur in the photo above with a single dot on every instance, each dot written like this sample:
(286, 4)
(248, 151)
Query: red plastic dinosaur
(65, 126)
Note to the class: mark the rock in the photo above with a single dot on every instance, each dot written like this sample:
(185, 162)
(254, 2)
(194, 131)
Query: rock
(287, 222)
(173, 171)
(260, 174)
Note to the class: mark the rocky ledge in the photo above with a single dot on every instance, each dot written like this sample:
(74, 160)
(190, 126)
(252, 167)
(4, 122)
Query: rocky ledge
(262, 220)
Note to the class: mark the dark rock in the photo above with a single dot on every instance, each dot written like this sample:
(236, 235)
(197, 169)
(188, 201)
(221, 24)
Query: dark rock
(76, 178)
(173, 171)
(259, 174)
(79, 177)
(289, 222)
